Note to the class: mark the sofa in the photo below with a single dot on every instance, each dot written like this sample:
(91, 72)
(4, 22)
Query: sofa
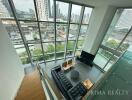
(61, 81)
(69, 91)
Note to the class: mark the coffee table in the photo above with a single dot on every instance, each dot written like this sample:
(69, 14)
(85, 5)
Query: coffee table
(87, 83)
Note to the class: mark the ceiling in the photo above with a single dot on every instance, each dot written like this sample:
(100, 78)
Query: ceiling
(116, 3)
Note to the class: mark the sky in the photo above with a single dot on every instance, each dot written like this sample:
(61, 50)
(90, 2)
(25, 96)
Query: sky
(125, 21)
(25, 5)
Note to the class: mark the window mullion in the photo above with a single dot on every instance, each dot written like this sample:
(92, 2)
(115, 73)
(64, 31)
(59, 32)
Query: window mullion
(39, 30)
(67, 35)
(79, 28)
(118, 46)
(20, 30)
(54, 3)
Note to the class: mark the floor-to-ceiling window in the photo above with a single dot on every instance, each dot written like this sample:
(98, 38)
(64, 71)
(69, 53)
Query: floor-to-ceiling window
(117, 39)
(45, 30)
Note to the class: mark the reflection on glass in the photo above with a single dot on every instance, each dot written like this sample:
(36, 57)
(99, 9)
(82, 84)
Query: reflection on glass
(111, 62)
(61, 30)
(49, 49)
(60, 49)
(25, 9)
(87, 14)
(61, 11)
(102, 57)
(83, 32)
(73, 31)
(75, 13)
(124, 46)
(118, 28)
(47, 31)
(126, 43)
(30, 30)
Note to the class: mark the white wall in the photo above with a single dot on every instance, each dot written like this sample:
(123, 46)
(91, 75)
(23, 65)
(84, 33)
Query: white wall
(11, 70)
(100, 20)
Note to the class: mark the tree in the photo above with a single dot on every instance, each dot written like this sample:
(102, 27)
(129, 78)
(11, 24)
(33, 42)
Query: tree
(50, 48)
(112, 43)
(70, 45)
(24, 58)
(37, 54)
(60, 47)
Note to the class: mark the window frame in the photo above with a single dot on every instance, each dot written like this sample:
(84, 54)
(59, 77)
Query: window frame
(26, 43)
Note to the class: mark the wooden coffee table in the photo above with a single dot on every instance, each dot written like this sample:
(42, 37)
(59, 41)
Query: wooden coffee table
(87, 83)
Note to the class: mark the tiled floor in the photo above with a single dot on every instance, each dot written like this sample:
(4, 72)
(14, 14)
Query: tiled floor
(85, 72)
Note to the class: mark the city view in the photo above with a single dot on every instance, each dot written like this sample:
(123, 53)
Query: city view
(56, 35)
(68, 38)
(118, 30)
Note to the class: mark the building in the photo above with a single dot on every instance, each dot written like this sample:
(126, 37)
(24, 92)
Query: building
(7, 6)
(43, 7)
(3, 11)
(68, 50)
